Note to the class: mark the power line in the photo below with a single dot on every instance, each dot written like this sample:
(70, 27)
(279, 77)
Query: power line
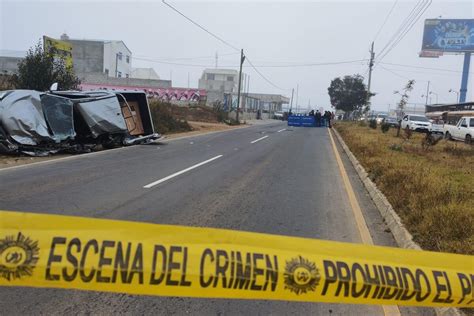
(260, 66)
(394, 73)
(172, 63)
(223, 41)
(385, 21)
(400, 28)
(185, 58)
(408, 27)
(201, 27)
(419, 67)
(314, 64)
(427, 72)
(417, 16)
(261, 75)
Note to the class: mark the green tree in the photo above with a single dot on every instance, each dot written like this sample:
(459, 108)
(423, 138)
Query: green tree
(349, 94)
(40, 69)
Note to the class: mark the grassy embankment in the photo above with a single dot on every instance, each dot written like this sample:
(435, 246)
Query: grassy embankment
(432, 189)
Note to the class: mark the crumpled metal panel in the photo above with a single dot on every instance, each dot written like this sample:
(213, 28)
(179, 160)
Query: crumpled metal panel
(103, 116)
(22, 117)
(59, 115)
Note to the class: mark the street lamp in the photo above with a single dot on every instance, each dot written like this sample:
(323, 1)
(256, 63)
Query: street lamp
(431, 92)
(457, 94)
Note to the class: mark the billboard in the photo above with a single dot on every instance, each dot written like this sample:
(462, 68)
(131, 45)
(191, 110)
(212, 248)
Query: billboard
(60, 49)
(448, 35)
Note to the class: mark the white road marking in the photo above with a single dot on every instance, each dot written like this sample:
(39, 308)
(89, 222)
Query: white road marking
(281, 130)
(180, 172)
(257, 140)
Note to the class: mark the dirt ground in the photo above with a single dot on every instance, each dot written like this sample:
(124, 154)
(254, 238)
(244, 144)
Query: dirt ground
(7, 161)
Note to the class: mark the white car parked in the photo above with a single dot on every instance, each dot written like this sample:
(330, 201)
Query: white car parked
(416, 123)
(463, 131)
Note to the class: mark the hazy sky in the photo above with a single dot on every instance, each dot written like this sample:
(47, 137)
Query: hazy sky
(271, 33)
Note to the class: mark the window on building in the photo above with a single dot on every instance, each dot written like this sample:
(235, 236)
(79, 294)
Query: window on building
(119, 74)
(126, 75)
(127, 59)
(230, 78)
(211, 77)
(106, 71)
(119, 56)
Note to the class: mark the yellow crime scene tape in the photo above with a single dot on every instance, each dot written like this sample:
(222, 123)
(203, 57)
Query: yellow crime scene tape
(147, 259)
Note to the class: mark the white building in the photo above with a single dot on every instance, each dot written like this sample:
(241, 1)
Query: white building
(117, 58)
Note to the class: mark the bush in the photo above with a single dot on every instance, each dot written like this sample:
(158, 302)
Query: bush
(164, 121)
(373, 124)
(219, 109)
(7, 82)
(362, 123)
(385, 127)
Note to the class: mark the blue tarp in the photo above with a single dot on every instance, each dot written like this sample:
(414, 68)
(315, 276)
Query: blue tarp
(304, 121)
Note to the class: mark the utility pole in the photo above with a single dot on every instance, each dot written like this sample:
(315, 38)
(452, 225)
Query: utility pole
(371, 65)
(297, 88)
(291, 103)
(427, 92)
(248, 83)
(242, 59)
(188, 79)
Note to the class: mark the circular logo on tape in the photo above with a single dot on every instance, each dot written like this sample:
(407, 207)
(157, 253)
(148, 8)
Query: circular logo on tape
(18, 256)
(301, 275)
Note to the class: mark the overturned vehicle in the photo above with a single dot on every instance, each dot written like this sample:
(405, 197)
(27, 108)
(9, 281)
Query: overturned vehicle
(41, 123)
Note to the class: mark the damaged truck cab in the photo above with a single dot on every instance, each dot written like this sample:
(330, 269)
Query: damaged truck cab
(39, 124)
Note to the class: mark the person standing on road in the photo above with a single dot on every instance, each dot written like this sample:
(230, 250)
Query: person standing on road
(318, 118)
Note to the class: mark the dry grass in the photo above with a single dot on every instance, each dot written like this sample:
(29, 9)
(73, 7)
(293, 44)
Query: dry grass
(431, 189)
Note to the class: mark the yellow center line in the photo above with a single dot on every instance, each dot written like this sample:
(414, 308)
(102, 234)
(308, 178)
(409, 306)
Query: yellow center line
(359, 217)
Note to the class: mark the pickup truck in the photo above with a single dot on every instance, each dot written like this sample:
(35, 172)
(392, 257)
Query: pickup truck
(463, 131)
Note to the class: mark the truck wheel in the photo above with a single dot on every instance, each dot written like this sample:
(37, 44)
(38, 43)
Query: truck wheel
(468, 139)
(447, 136)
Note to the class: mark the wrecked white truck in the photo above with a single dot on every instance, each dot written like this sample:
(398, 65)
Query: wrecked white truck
(41, 123)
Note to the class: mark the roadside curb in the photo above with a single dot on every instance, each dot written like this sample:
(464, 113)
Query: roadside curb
(402, 236)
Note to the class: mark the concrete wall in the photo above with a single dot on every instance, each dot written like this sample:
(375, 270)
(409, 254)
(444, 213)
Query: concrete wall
(88, 56)
(101, 78)
(247, 116)
(214, 96)
(9, 65)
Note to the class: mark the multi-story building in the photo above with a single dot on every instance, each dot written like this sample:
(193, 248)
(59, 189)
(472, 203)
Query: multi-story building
(218, 82)
(113, 58)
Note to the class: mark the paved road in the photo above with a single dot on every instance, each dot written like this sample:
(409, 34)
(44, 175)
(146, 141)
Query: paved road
(288, 182)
